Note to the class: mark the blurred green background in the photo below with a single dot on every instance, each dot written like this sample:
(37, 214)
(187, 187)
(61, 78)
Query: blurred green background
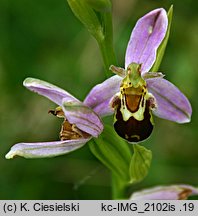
(43, 39)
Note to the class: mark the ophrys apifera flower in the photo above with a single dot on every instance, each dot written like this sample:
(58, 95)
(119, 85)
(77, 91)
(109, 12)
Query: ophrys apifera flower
(80, 123)
(138, 93)
(169, 192)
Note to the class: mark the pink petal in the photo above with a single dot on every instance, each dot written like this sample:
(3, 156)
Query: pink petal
(83, 117)
(45, 149)
(172, 104)
(48, 90)
(146, 37)
(100, 96)
(172, 192)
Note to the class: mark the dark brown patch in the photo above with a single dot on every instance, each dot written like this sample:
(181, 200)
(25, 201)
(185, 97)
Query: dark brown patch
(133, 130)
(115, 102)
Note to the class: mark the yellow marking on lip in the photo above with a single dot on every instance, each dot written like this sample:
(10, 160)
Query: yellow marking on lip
(136, 136)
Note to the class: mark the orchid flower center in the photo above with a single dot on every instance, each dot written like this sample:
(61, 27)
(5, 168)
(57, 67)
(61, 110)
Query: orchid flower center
(132, 105)
(68, 131)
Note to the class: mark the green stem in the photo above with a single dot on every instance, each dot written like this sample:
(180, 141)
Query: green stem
(106, 43)
(118, 188)
(108, 56)
(107, 51)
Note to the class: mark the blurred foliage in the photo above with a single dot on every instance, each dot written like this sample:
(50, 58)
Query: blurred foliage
(43, 39)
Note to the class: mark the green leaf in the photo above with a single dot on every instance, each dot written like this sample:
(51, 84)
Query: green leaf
(140, 163)
(162, 47)
(113, 152)
(97, 18)
(100, 5)
(85, 13)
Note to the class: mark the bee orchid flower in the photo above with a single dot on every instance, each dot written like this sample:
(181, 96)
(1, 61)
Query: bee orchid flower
(170, 192)
(80, 123)
(135, 93)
